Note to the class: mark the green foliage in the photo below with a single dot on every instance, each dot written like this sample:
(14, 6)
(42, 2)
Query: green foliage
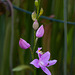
(2, 37)
(22, 67)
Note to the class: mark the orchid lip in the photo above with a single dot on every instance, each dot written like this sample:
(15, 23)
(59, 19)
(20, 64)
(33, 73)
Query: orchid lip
(38, 50)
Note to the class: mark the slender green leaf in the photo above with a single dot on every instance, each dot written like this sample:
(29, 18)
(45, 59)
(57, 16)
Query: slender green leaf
(22, 67)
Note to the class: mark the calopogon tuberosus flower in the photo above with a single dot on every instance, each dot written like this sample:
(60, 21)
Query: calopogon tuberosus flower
(44, 62)
(23, 44)
(40, 32)
(39, 52)
(35, 25)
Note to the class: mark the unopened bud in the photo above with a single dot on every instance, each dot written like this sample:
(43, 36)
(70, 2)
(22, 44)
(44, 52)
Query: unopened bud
(36, 3)
(33, 16)
(40, 32)
(35, 25)
(23, 44)
(41, 12)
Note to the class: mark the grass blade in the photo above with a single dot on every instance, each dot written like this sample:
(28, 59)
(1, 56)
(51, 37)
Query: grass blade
(2, 35)
(73, 54)
(65, 37)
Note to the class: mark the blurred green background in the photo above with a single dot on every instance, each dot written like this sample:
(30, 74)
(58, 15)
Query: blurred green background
(53, 39)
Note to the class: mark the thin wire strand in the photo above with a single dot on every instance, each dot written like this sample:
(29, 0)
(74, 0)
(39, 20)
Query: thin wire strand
(28, 12)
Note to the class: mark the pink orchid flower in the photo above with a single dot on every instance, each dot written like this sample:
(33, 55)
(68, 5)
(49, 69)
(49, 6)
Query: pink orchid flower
(44, 62)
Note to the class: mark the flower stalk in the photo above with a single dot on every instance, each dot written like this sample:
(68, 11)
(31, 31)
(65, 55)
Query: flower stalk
(31, 53)
(43, 62)
(36, 39)
(35, 44)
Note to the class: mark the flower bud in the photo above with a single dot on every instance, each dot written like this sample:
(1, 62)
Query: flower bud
(41, 12)
(40, 32)
(23, 44)
(36, 3)
(35, 25)
(33, 16)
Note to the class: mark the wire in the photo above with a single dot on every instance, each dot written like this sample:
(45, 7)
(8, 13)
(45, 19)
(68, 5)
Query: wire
(56, 20)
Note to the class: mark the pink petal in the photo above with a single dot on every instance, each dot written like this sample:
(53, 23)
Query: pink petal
(23, 44)
(35, 62)
(46, 70)
(45, 57)
(39, 48)
(52, 62)
(40, 32)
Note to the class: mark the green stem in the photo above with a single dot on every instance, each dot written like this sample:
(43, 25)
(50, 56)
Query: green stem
(36, 39)
(31, 53)
(38, 10)
(34, 36)
(35, 44)
(34, 71)
(33, 59)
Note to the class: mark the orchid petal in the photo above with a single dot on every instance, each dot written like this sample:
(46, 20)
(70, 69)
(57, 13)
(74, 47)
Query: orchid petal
(39, 55)
(46, 70)
(52, 62)
(35, 62)
(45, 57)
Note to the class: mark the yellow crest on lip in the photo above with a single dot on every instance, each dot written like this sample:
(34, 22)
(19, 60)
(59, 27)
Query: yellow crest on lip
(38, 50)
